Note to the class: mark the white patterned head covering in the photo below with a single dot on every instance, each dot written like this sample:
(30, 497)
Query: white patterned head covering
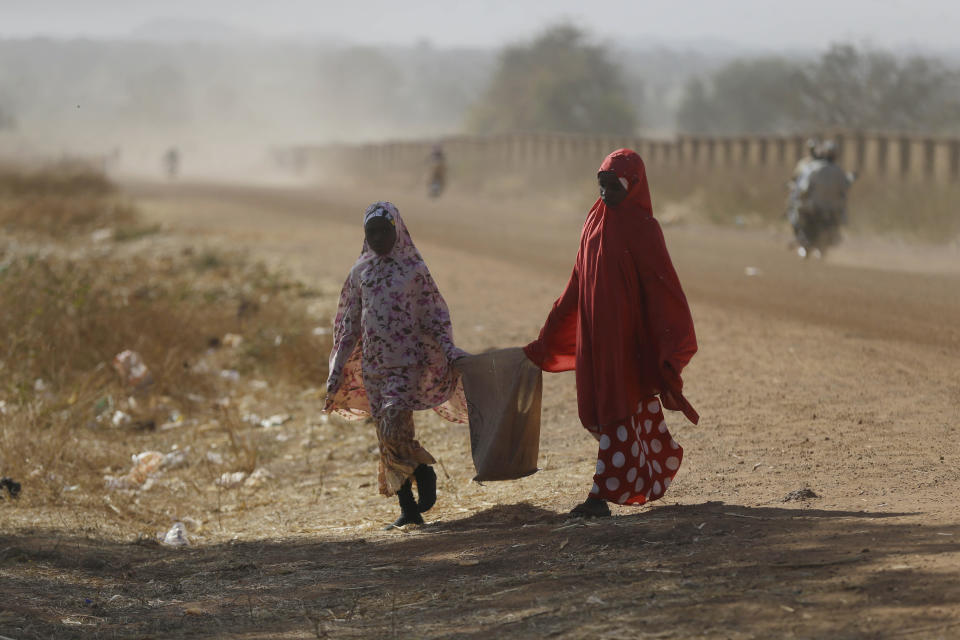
(381, 210)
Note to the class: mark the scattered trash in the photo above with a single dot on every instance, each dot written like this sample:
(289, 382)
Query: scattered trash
(103, 404)
(214, 458)
(232, 340)
(275, 420)
(176, 536)
(11, 485)
(230, 374)
(259, 385)
(133, 371)
(752, 271)
(322, 331)
(39, 385)
(3, 407)
(145, 466)
(175, 459)
(174, 420)
(230, 480)
(595, 600)
(120, 419)
(800, 494)
(101, 235)
(257, 478)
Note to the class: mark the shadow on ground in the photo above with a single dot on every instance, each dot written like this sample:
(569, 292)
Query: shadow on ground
(707, 570)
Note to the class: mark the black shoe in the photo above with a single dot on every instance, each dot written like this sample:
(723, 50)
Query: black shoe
(409, 511)
(426, 487)
(591, 508)
(404, 520)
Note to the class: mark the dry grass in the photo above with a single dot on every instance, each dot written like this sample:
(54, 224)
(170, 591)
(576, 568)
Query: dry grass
(67, 419)
(65, 201)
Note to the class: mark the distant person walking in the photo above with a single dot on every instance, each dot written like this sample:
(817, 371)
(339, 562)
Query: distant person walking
(393, 354)
(437, 180)
(623, 323)
(171, 162)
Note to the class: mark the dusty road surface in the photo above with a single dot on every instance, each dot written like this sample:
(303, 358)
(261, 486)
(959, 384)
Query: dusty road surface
(841, 376)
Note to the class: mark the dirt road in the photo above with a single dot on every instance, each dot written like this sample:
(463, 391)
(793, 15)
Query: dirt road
(839, 376)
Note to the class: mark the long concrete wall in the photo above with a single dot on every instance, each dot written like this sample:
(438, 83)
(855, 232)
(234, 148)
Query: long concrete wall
(868, 153)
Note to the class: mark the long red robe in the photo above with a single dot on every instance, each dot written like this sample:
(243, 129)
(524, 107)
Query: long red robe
(623, 321)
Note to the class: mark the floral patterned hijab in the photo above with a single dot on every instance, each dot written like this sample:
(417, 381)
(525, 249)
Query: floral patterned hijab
(393, 339)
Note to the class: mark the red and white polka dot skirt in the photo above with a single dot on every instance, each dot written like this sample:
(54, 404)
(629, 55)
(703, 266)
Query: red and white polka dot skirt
(637, 459)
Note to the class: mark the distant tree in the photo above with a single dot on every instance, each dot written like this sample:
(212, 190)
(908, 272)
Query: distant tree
(558, 82)
(875, 90)
(757, 96)
(844, 88)
(696, 111)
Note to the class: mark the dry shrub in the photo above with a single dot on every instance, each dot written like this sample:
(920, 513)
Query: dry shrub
(69, 318)
(65, 180)
(69, 307)
(59, 201)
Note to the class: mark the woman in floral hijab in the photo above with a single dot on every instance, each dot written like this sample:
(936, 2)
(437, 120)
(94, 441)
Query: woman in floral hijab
(393, 354)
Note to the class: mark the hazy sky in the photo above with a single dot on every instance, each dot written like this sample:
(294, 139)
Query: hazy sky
(766, 24)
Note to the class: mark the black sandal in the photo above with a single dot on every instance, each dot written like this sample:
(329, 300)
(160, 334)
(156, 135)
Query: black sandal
(591, 508)
(409, 512)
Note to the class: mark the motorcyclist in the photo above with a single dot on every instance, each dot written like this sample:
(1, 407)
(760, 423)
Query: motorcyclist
(821, 203)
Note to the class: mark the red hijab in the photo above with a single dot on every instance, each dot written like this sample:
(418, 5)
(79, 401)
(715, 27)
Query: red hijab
(623, 321)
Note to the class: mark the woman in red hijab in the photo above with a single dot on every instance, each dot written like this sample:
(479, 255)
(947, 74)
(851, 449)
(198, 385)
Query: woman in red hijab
(623, 323)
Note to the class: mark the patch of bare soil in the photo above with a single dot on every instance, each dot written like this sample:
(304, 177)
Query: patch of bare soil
(835, 377)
